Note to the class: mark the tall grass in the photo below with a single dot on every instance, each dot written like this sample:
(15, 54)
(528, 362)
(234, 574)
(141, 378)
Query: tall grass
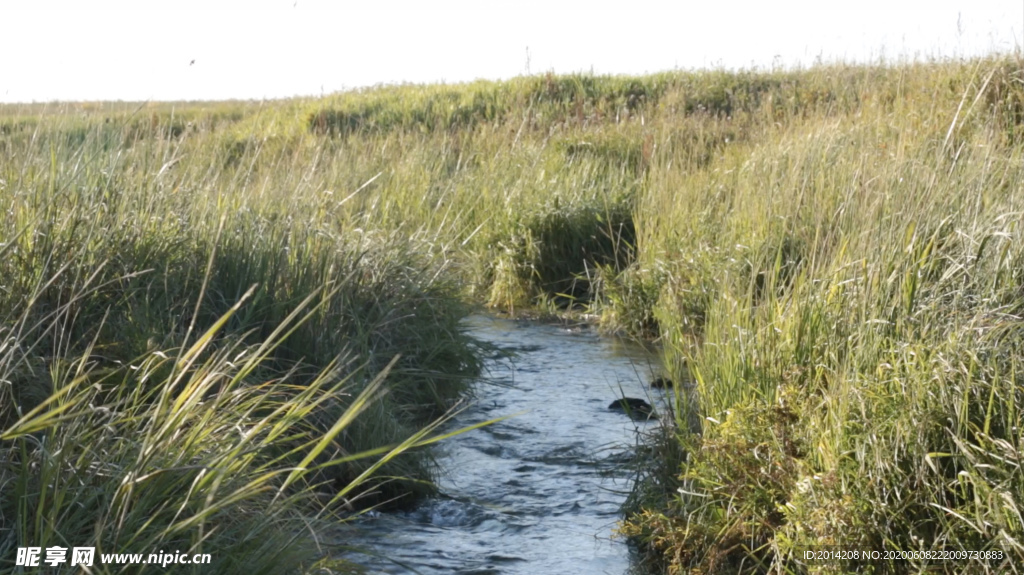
(831, 255)
(842, 289)
(195, 362)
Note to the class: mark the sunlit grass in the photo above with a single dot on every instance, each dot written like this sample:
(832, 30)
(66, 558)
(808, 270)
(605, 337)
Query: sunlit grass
(833, 256)
(854, 278)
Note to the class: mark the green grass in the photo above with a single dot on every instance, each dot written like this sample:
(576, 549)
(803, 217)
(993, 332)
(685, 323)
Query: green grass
(842, 287)
(832, 255)
(191, 360)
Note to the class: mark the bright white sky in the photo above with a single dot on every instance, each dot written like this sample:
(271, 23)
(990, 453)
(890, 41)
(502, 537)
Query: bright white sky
(252, 49)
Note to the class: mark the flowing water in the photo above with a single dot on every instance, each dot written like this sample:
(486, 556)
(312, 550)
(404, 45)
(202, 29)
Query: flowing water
(539, 492)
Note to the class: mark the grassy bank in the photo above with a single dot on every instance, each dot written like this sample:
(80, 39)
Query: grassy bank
(832, 254)
(196, 360)
(844, 288)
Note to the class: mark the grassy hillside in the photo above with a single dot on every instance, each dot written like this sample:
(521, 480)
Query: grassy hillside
(833, 255)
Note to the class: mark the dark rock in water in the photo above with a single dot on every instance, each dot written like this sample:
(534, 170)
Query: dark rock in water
(662, 383)
(632, 406)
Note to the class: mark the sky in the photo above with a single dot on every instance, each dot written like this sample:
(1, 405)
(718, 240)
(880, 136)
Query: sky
(256, 49)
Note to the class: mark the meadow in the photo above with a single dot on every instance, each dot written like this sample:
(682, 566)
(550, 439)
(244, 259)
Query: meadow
(226, 325)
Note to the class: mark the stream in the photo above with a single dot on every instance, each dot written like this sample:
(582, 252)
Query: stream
(536, 493)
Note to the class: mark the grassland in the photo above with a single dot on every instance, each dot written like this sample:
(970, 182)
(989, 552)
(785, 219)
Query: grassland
(832, 256)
